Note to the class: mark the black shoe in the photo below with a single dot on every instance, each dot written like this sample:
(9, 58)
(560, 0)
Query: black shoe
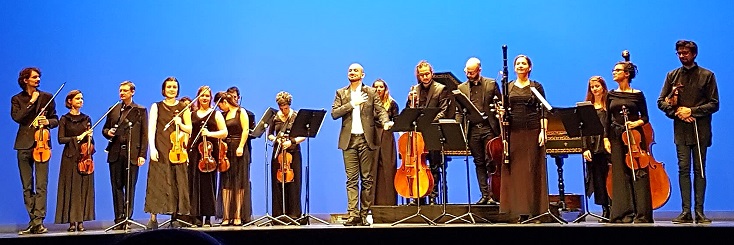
(683, 217)
(483, 201)
(353, 221)
(432, 201)
(40, 229)
(701, 218)
(27, 230)
(72, 228)
(605, 213)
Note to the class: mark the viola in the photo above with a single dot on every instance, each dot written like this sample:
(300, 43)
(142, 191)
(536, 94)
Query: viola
(206, 162)
(413, 179)
(223, 160)
(42, 151)
(285, 158)
(177, 154)
(635, 158)
(672, 98)
(85, 166)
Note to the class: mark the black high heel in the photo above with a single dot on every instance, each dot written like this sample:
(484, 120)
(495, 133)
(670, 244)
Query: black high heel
(80, 227)
(72, 227)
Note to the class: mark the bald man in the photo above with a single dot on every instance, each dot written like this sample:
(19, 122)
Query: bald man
(481, 92)
(358, 140)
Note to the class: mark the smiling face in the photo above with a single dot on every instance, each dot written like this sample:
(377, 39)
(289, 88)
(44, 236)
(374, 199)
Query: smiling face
(522, 66)
(77, 101)
(171, 89)
(355, 73)
(205, 99)
(380, 87)
(596, 88)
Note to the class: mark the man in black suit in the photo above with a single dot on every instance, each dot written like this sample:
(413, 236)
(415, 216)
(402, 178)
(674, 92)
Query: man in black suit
(429, 93)
(26, 110)
(358, 139)
(697, 96)
(481, 91)
(125, 130)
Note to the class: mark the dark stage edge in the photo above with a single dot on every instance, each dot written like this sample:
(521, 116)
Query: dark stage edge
(660, 232)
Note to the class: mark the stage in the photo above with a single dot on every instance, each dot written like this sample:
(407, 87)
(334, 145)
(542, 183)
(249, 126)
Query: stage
(385, 233)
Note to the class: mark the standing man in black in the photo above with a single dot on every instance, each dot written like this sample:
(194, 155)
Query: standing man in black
(26, 105)
(690, 96)
(429, 93)
(481, 92)
(359, 107)
(125, 131)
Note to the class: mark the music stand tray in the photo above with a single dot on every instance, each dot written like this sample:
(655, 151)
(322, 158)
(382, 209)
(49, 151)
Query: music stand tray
(415, 119)
(472, 113)
(307, 124)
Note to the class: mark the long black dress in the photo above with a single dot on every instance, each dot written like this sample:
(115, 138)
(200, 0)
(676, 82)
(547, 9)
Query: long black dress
(202, 185)
(631, 199)
(386, 161)
(524, 188)
(237, 178)
(292, 189)
(598, 168)
(75, 198)
(168, 187)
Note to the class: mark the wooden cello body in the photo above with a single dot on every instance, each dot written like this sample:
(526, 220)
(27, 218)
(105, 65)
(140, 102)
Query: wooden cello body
(413, 179)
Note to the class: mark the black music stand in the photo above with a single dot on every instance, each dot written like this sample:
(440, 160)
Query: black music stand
(582, 121)
(416, 119)
(128, 220)
(544, 105)
(470, 113)
(265, 121)
(307, 124)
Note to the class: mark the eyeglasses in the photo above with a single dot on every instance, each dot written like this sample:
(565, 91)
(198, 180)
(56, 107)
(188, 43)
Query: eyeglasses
(684, 53)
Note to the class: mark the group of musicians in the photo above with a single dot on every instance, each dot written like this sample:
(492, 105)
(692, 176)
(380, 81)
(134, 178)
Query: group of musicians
(182, 135)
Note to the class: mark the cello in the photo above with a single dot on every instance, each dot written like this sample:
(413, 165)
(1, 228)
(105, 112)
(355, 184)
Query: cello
(413, 179)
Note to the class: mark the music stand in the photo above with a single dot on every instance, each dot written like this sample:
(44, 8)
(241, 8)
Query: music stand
(308, 124)
(471, 114)
(257, 132)
(416, 119)
(544, 103)
(582, 121)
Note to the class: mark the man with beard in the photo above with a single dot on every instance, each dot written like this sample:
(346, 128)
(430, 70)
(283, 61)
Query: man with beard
(127, 135)
(26, 105)
(358, 106)
(481, 91)
(690, 96)
(430, 94)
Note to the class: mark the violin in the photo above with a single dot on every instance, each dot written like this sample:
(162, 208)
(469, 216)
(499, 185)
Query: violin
(635, 158)
(177, 154)
(223, 160)
(285, 158)
(86, 164)
(206, 162)
(42, 151)
(413, 179)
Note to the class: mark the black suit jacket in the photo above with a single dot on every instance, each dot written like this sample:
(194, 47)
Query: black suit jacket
(489, 91)
(138, 115)
(23, 113)
(437, 97)
(371, 110)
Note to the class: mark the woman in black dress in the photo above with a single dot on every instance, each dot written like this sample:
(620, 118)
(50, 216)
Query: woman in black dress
(167, 190)
(524, 188)
(278, 133)
(75, 198)
(597, 158)
(234, 184)
(631, 199)
(209, 123)
(386, 156)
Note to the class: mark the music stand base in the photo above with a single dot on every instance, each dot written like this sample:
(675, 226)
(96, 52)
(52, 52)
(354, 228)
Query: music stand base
(558, 219)
(582, 217)
(284, 216)
(125, 222)
(308, 218)
(266, 216)
(170, 223)
(471, 216)
(417, 214)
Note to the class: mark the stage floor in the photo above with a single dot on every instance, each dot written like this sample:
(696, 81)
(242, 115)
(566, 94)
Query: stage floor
(386, 233)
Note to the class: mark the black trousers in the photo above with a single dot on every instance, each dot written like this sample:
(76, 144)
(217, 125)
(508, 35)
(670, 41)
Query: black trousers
(597, 172)
(435, 163)
(685, 153)
(34, 186)
(118, 179)
(478, 138)
(358, 159)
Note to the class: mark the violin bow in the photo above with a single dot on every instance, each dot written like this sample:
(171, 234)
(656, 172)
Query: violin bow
(48, 102)
(104, 116)
(187, 107)
(214, 111)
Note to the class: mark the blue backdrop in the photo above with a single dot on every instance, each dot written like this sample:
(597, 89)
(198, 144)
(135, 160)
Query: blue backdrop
(305, 47)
